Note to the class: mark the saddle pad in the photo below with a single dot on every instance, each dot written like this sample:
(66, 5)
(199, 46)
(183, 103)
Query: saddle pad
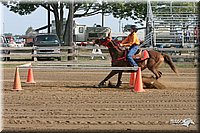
(145, 55)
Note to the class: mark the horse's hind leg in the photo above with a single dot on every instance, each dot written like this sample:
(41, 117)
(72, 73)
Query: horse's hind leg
(157, 65)
(153, 66)
(119, 82)
(155, 72)
(112, 73)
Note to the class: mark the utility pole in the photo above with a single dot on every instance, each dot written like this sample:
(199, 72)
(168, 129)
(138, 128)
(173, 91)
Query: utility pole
(102, 15)
(119, 25)
(150, 24)
(49, 20)
(1, 24)
(102, 23)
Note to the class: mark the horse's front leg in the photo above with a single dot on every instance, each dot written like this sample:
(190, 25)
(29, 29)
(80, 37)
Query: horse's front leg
(119, 82)
(112, 73)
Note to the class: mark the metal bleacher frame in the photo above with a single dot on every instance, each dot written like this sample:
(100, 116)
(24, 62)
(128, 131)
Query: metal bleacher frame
(168, 21)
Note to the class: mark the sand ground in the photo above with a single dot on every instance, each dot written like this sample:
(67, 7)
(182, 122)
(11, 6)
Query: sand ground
(64, 100)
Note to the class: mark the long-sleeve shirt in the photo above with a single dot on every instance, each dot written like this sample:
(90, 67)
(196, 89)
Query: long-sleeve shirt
(132, 39)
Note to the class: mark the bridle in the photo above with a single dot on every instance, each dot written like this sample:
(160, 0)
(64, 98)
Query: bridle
(109, 40)
(105, 43)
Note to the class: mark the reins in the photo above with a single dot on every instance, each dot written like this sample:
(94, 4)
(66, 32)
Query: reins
(121, 58)
(115, 47)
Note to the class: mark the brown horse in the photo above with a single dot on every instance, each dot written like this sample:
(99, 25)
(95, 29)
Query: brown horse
(152, 61)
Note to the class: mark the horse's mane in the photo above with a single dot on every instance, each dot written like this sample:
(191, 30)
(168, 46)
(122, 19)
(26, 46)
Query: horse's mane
(116, 45)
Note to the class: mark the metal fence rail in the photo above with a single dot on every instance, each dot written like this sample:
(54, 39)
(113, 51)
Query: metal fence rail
(74, 66)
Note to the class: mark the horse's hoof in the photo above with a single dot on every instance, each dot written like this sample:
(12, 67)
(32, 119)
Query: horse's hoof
(101, 85)
(110, 85)
(119, 83)
(117, 86)
(160, 73)
(158, 78)
(97, 86)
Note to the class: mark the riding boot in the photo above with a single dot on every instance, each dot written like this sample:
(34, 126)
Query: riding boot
(135, 64)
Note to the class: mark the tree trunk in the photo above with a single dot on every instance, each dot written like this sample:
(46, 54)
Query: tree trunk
(68, 34)
(66, 31)
(58, 20)
(61, 22)
(57, 24)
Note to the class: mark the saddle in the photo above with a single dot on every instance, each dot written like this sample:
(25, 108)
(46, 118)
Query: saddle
(140, 55)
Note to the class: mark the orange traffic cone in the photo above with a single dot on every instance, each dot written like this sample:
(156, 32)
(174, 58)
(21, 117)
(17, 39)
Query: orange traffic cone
(17, 82)
(132, 79)
(138, 87)
(30, 78)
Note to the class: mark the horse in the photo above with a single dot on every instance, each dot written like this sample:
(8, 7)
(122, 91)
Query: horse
(145, 59)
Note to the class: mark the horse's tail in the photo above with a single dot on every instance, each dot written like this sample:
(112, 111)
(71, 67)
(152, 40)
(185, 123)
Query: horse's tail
(169, 61)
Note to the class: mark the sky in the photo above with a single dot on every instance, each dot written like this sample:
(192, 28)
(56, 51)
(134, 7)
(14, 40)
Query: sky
(11, 22)
(16, 24)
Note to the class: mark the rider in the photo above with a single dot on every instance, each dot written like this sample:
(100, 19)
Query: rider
(133, 42)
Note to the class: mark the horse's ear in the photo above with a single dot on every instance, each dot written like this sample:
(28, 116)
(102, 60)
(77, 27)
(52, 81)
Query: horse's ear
(109, 34)
(96, 41)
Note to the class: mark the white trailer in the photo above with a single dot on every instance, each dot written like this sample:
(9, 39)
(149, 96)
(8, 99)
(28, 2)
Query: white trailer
(84, 35)
(80, 33)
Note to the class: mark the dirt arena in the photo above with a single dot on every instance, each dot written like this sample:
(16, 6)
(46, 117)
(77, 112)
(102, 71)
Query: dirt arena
(67, 100)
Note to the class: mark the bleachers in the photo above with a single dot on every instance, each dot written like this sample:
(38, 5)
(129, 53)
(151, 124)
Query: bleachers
(171, 20)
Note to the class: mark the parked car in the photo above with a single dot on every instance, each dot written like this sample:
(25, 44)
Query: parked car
(19, 42)
(11, 41)
(47, 44)
(4, 43)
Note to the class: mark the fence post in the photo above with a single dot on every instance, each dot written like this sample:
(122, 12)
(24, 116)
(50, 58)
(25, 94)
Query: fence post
(195, 56)
(183, 38)
(75, 51)
(35, 52)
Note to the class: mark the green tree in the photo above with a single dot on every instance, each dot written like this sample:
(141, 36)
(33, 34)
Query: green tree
(122, 10)
(30, 29)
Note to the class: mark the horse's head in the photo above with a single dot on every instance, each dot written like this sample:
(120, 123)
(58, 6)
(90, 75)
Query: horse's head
(103, 41)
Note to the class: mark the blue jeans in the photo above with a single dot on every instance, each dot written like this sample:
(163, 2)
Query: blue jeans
(132, 51)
